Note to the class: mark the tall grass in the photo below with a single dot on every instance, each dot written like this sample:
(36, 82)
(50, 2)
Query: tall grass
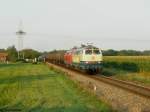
(128, 63)
(36, 88)
(132, 68)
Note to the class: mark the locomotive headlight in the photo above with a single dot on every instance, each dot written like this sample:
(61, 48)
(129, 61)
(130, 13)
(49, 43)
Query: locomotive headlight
(86, 62)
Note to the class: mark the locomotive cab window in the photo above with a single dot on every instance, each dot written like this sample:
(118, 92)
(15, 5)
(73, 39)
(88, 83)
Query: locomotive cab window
(88, 51)
(96, 51)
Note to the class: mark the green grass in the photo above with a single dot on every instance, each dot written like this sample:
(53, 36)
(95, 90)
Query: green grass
(36, 88)
(131, 68)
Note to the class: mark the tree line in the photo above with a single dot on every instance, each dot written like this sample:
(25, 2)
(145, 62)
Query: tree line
(31, 53)
(112, 52)
(13, 53)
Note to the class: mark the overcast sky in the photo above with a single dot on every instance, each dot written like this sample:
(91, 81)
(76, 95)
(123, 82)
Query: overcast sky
(62, 24)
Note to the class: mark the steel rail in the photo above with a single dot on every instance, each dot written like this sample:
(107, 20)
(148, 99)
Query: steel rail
(132, 87)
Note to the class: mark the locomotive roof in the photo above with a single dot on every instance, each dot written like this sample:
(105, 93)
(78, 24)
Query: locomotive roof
(87, 47)
(91, 47)
(82, 48)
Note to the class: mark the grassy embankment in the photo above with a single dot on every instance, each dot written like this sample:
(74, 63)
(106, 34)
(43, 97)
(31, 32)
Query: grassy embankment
(30, 88)
(132, 68)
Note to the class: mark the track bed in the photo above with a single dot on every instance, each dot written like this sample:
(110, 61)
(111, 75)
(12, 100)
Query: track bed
(121, 96)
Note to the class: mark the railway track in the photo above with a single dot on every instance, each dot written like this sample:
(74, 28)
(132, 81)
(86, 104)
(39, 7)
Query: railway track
(128, 86)
(134, 88)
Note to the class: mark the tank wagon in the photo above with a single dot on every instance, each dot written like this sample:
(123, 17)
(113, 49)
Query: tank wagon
(87, 58)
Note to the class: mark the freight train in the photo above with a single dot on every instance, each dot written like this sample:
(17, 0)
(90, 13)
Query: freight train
(87, 57)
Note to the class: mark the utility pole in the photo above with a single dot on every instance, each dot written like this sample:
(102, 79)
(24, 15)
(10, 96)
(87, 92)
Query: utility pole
(20, 34)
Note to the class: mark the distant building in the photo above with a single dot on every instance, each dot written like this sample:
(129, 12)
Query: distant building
(3, 57)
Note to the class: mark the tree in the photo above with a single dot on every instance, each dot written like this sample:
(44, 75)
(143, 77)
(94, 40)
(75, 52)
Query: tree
(110, 52)
(129, 53)
(146, 52)
(31, 54)
(2, 50)
(12, 53)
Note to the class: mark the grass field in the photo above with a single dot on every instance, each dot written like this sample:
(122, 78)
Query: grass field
(36, 88)
(132, 68)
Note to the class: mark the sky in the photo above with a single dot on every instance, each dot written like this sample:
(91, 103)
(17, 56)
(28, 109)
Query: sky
(62, 24)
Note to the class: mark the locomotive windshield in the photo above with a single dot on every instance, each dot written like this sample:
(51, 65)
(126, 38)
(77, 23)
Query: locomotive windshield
(89, 51)
(92, 51)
